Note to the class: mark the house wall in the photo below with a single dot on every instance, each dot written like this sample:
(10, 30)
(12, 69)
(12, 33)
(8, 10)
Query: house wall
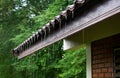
(106, 28)
(98, 31)
(102, 57)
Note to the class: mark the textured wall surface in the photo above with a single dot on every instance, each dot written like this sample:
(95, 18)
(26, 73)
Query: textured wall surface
(102, 57)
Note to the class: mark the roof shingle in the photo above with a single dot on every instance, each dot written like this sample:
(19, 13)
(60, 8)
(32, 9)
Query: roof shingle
(53, 26)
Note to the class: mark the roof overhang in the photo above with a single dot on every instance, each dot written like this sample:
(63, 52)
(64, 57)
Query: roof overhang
(89, 14)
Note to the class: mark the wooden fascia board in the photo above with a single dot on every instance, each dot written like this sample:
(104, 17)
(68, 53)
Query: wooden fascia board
(96, 14)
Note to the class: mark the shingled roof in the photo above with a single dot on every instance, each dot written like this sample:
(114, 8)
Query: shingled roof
(57, 24)
(54, 25)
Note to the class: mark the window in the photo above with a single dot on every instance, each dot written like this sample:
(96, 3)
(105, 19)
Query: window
(117, 62)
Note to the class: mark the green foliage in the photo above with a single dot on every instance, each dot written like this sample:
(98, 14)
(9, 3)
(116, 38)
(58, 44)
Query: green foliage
(38, 5)
(73, 64)
(42, 61)
(53, 62)
(17, 24)
(54, 9)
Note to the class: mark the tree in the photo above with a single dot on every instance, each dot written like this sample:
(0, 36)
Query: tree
(18, 20)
